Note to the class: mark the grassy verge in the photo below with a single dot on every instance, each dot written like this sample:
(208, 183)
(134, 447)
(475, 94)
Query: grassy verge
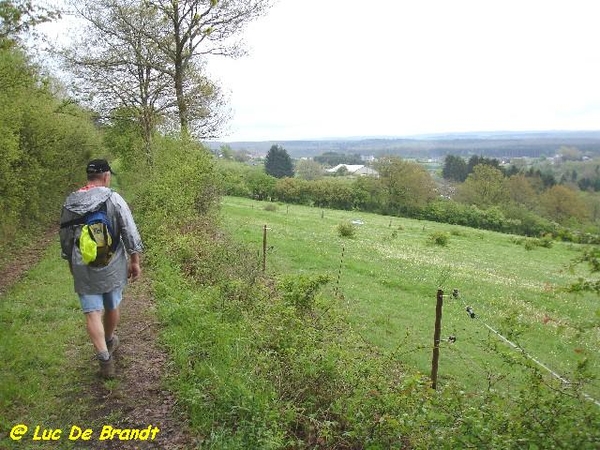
(42, 338)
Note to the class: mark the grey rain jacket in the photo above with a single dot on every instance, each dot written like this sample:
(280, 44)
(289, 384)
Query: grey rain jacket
(99, 280)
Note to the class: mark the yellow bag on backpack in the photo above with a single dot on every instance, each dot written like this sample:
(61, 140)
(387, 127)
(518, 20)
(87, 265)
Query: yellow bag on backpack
(87, 245)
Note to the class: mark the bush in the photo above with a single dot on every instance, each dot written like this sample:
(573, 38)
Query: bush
(439, 238)
(45, 143)
(346, 229)
(180, 187)
(546, 241)
(532, 243)
(300, 291)
(457, 232)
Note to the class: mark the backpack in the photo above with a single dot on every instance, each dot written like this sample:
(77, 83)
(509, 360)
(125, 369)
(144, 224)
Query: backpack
(97, 242)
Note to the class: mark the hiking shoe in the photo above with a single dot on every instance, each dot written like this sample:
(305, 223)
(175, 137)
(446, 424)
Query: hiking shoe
(107, 368)
(113, 344)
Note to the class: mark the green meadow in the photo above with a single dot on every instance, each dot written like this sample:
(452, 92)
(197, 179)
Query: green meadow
(387, 276)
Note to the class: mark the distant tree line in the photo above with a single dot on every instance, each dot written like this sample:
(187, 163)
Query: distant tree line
(528, 202)
(521, 194)
(458, 169)
(332, 159)
(587, 178)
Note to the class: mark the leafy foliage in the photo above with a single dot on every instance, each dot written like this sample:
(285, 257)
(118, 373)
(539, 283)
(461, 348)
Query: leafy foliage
(563, 205)
(291, 190)
(309, 170)
(439, 238)
(484, 187)
(455, 168)
(44, 145)
(333, 159)
(245, 181)
(591, 257)
(19, 16)
(178, 188)
(329, 193)
(346, 229)
(300, 291)
(408, 186)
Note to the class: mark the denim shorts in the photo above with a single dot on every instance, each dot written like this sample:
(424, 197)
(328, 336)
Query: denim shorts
(97, 302)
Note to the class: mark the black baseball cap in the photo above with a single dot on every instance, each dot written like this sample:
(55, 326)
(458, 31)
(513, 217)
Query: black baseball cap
(98, 166)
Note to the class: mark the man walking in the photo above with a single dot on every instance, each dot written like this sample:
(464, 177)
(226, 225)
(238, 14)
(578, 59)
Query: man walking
(100, 284)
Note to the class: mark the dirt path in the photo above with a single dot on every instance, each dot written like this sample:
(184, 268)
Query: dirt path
(137, 397)
(14, 266)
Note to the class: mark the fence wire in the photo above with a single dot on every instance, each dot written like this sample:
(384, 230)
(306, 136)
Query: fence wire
(473, 314)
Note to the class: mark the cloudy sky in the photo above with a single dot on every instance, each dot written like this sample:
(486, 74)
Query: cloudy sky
(349, 68)
(337, 68)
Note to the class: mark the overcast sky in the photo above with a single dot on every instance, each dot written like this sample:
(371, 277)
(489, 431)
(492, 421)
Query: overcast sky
(348, 68)
(337, 68)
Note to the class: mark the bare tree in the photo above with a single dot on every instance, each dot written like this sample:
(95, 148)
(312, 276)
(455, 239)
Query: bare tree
(147, 55)
(207, 106)
(113, 64)
(195, 28)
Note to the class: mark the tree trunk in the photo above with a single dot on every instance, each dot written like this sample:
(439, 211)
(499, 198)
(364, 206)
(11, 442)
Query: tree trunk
(181, 102)
(147, 131)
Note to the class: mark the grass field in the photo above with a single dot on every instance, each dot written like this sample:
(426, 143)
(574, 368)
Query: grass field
(389, 273)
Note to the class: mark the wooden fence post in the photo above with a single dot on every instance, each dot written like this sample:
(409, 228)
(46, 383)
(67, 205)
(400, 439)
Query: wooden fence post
(264, 261)
(337, 284)
(436, 338)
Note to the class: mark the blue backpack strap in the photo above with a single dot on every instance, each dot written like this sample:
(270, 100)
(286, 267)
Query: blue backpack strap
(100, 216)
(96, 217)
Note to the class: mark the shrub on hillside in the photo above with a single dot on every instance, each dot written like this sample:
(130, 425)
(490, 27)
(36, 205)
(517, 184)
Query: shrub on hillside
(181, 187)
(300, 291)
(531, 243)
(439, 238)
(346, 229)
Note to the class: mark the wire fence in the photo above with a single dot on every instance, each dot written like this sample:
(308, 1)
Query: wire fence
(470, 362)
(471, 315)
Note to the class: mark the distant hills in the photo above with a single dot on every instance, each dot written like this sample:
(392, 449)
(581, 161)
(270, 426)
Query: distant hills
(497, 144)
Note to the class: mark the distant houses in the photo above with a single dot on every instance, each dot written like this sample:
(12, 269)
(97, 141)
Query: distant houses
(353, 169)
